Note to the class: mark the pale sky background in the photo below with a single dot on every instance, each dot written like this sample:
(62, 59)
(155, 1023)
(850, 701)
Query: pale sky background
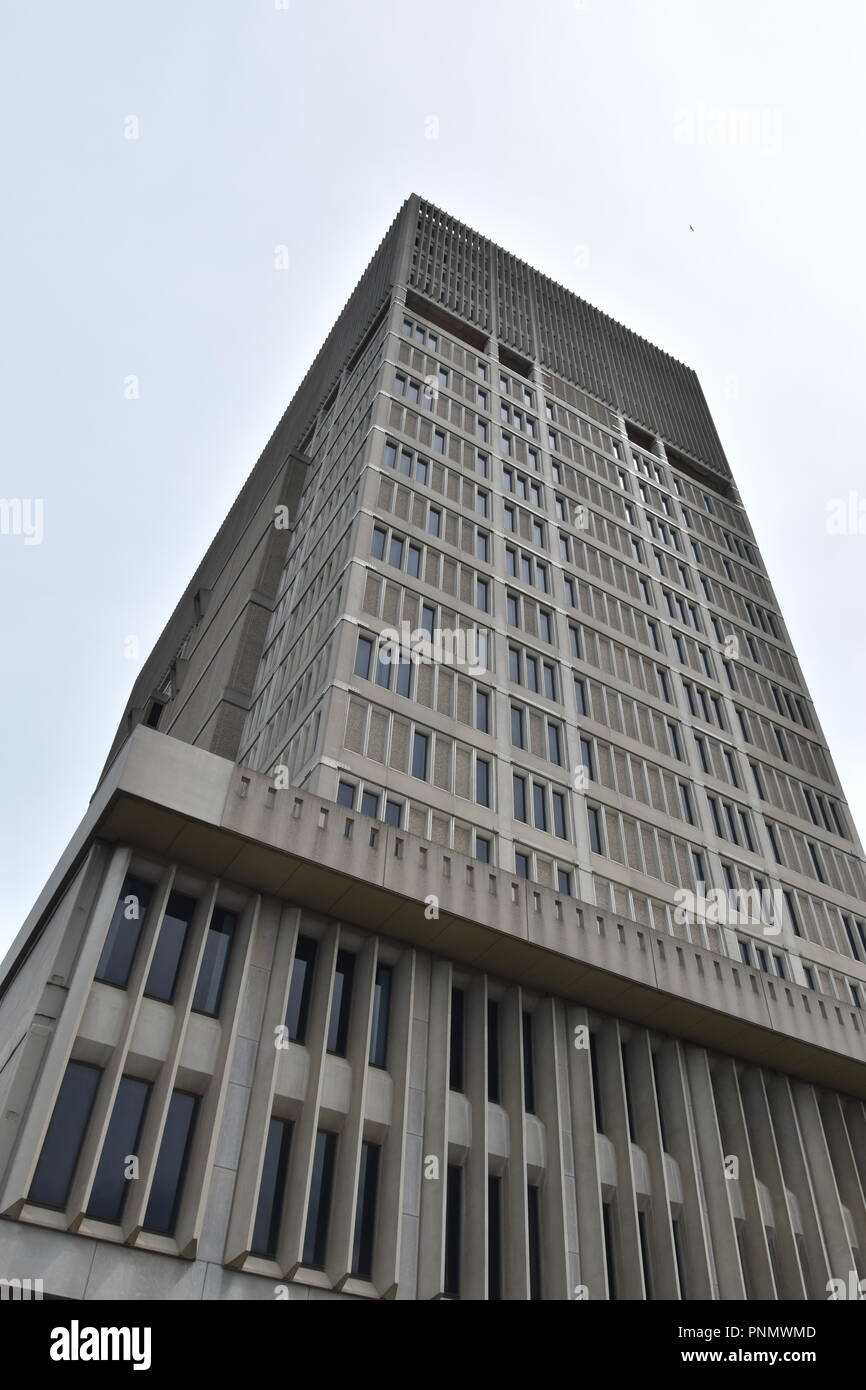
(585, 138)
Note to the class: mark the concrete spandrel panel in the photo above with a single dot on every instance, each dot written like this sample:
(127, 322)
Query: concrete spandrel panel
(535, 1143)
(379, 1097)
(227, 1285)
(201, 1044)
(674, 1180)
(104, 1015)
(293, 1070)
(153, 1029)
(336, 1095)
(459, 1120)
(119, 1273)
(641, 1171)
(606, 1158)
(497, 1131)
(29, 1252)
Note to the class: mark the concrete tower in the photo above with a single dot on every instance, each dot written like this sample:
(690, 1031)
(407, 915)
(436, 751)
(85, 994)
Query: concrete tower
(469, 906)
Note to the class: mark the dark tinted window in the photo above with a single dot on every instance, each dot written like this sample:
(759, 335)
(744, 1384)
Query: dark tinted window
(420, 747)
(363, 657)
(453, 1223)
(59, 1157)
(534, 1214)
(456, 1059)
(528, 1064)
(111, 1184)
(272, 1188)
(365, 1218)
(607, 1231)
(494, 1238)
(492, 1050)
(341, 1003)
(319, 1209)
(629, 1103)
(162, 1208)
(298, 1006)
(212, 973)
(169, 947)
(381, 1010)
(596, 1087)
(118, 952)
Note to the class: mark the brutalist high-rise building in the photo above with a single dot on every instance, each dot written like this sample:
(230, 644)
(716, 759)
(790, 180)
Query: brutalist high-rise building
(469, 906)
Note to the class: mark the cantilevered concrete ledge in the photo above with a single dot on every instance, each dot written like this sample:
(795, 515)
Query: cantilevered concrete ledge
(168, 798)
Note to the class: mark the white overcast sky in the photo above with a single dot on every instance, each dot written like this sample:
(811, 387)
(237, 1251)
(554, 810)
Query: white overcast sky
(585, 137)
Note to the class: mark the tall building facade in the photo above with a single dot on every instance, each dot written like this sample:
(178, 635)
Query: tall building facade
(469, 906)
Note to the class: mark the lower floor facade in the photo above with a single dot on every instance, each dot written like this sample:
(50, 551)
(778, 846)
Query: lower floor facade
(212, 1089)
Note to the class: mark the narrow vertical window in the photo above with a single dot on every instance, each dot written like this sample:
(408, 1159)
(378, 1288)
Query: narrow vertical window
(645, 1253)
(594, 821)
(629, 1104)
(518, 736)
(165, 964)
(319, 1206)
(111, 1184)
(272, 1188)
(674, 741)
(586, 758)
(365, 1216)
(123, 935)
(381, 1012)
(363, 656)
(453, 1223)
(660, 1105)
(607, 1229)
(482, 781)
(519, 788)
(533, 1211)
(212, 971)
(341, 1003)
(168, 1177)
(300, 989)
(455, 1078)
(680, 1260)
(493, 1086)
(528, 1064)
(420, 755)
(597, 1103)
(482, 711)
(539, 806)
(792, 911)
(698, 867)
(65, 1135)
(816, 862)
(494, 1238)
